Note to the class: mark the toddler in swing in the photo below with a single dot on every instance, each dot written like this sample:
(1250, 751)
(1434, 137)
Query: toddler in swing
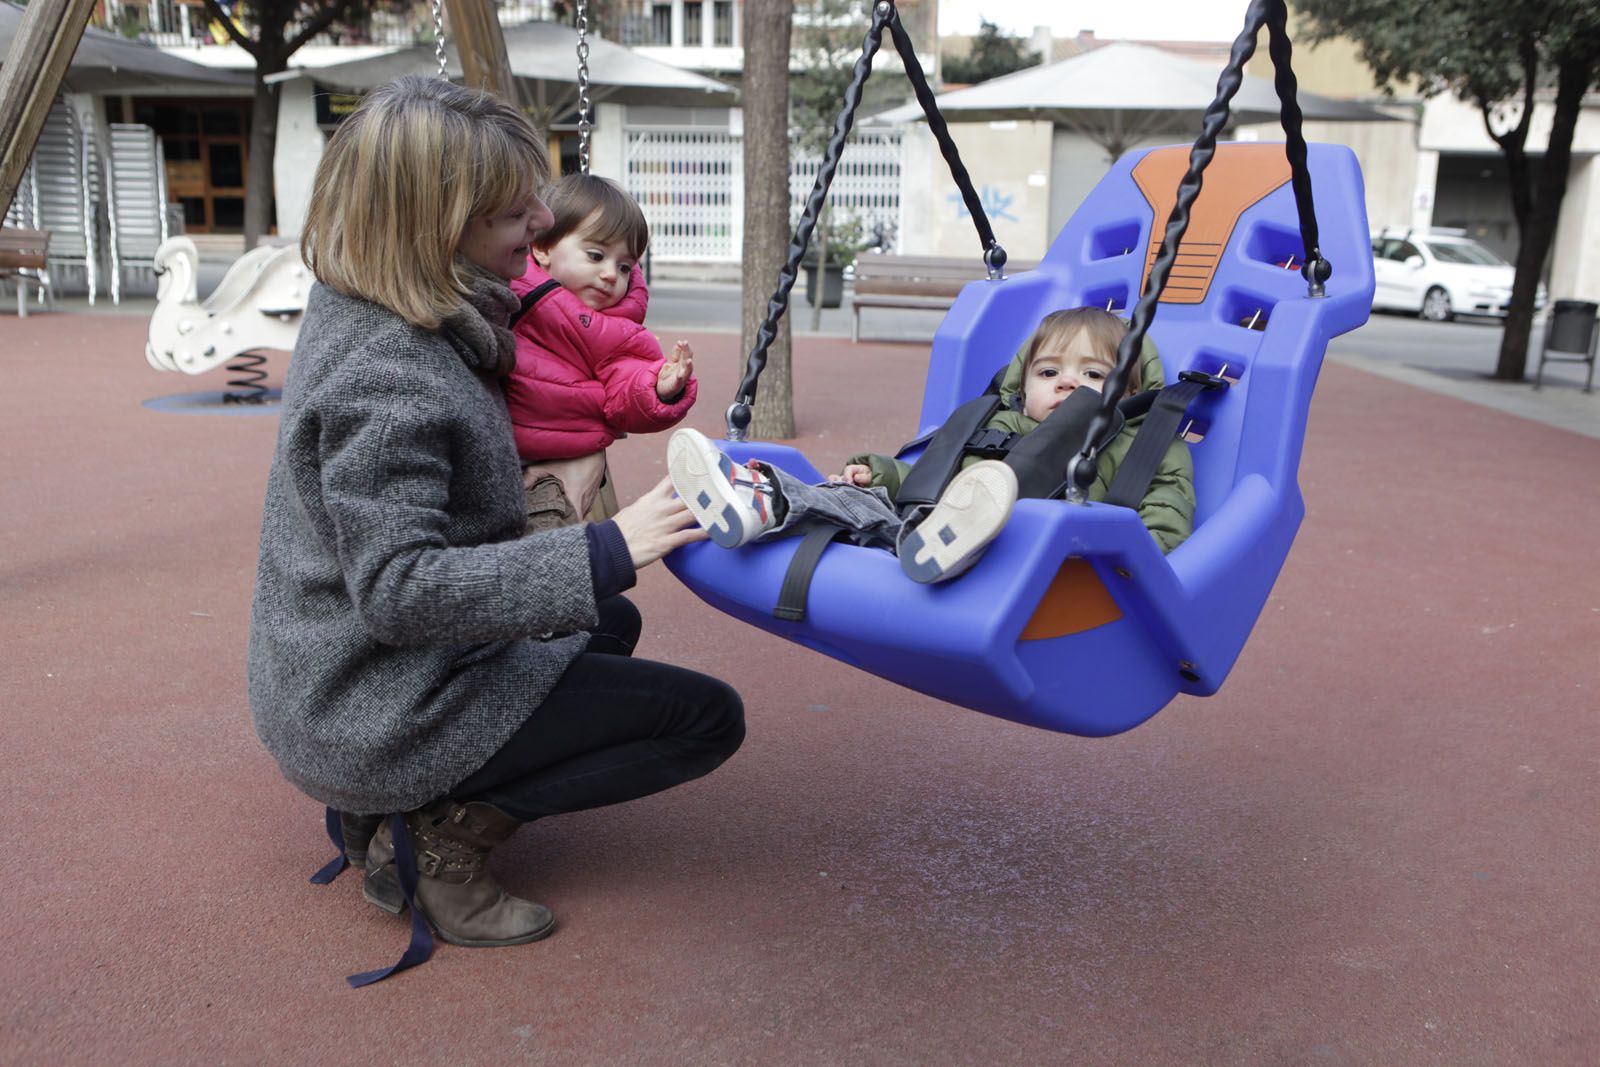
(1071, 349)
(587, 371)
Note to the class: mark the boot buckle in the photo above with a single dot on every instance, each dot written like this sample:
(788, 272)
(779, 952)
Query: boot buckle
(429, 863)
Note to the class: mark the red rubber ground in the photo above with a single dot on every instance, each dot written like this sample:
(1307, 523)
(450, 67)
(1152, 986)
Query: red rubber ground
(1377, 845)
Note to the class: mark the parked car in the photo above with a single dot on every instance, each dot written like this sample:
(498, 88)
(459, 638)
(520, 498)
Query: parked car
(1441, 275)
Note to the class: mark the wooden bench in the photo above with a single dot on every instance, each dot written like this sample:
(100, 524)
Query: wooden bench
(23, 250)
(926, 282)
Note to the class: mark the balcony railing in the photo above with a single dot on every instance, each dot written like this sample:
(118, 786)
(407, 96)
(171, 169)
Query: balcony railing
(175, 23)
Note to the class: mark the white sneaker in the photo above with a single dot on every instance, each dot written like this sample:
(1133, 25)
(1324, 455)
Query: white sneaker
(971, 512)
(731, 501)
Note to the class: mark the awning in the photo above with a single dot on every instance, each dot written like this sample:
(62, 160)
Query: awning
(1122, 93)
(108, 62)
(545, 56)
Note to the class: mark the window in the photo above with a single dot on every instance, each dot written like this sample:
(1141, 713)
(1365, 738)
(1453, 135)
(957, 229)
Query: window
(693, 27)
(661, 24)
(1473, 255)
(722, 23)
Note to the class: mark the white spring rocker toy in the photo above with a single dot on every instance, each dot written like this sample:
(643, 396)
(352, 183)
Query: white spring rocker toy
(258, 304)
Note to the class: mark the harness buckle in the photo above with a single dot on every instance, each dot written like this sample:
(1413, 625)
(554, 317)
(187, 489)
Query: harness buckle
(991, 443)
(1209, 381)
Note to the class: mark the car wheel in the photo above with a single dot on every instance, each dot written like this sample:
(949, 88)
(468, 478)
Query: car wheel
(1436, 305)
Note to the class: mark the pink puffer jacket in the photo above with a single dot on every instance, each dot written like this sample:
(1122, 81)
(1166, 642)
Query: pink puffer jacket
(585, 377)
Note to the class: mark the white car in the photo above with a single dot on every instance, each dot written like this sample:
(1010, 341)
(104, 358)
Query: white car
(1441, 275)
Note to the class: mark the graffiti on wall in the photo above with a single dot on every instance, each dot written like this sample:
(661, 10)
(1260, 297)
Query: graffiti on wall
(996, 205)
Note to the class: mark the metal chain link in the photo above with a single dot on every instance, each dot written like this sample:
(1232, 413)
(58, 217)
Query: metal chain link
(585, 124)
(438, 38)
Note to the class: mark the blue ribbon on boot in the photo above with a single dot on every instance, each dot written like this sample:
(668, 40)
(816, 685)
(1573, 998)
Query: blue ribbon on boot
(421, 947)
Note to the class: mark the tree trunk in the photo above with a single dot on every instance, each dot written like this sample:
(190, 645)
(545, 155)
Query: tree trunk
(259, 184)
(1539, 233)
(766, 203)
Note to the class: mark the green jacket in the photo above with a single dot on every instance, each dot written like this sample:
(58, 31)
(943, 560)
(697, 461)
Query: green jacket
(1167, 509)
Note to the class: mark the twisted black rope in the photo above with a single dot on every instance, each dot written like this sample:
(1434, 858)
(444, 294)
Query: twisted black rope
(1273, 14)
(994, 257)
(883, 15)
(1316, 270)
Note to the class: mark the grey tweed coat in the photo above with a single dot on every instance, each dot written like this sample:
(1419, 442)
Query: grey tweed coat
(389, 656)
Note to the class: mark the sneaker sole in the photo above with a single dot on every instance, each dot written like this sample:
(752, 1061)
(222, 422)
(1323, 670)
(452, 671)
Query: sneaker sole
(702, 484)
(972, 512)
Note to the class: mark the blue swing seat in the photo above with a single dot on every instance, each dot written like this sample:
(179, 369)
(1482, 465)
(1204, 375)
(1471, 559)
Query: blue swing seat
(1074, 620)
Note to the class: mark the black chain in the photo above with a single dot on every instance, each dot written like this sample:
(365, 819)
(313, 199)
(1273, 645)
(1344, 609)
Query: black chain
(884, 16)
(1273, 14)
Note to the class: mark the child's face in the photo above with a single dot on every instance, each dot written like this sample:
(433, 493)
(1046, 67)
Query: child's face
(597, 272)
(500, 243)
(1058, 368)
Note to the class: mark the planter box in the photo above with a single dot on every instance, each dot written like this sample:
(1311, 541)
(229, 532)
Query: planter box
(832, 285)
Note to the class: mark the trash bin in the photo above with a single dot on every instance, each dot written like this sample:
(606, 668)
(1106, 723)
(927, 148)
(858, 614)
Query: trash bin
(1569, 333)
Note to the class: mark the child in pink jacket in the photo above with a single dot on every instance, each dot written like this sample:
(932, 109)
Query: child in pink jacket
(587, 371)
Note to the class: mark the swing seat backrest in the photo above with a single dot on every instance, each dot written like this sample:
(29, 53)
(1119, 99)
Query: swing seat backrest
(1074, 620)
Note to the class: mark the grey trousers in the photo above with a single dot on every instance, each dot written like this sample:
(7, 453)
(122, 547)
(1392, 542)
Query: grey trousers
(867, 514)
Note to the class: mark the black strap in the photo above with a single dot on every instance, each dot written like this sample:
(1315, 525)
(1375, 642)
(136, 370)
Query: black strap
(1041, 457)
(802, 565)
(993, 389)
(532, 297)
(1150, 444)
(942, 458)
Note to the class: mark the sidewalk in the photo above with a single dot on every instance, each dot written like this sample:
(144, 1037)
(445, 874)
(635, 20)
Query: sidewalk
(1452, 359)
(1376, 845)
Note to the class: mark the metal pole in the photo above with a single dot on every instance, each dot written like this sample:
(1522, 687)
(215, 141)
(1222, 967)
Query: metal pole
(481, 47)
(32, 75)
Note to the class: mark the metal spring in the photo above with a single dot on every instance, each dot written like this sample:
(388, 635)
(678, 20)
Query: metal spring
(247, 379)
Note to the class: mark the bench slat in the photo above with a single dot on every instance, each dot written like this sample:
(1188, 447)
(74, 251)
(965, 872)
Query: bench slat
(909, 287)
(923, 282)
(23, 248)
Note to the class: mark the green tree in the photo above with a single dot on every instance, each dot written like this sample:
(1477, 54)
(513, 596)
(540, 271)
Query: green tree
(1504, 58)
(604, 19)
(993, 54)
(281, 28)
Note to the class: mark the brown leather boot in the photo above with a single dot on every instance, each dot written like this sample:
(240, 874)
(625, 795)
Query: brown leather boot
(357, 831)
(455, 891)
(381, 885)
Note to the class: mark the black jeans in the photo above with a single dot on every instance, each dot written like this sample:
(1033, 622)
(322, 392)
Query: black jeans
(614, 728)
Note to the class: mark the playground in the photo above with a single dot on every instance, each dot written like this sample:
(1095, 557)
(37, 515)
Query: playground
(1376, 844)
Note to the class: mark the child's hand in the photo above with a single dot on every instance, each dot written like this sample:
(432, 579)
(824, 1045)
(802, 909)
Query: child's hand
(675, 372)
(853, 474)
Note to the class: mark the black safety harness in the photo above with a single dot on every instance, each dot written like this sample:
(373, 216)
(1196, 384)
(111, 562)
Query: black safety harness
(1040, 459)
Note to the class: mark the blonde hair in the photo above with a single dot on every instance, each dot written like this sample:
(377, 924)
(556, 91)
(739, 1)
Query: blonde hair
(400, 179)
(1105, 330)
(573, 198)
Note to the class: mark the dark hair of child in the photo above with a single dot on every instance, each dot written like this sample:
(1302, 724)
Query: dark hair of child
(1105, 330)
(576, 197)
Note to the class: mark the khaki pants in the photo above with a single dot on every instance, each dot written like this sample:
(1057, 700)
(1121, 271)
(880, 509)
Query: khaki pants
(561, 492)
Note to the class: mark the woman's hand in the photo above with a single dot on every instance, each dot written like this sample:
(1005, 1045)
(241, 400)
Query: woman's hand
(655, 524)
(853, 474)
(675, 372)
